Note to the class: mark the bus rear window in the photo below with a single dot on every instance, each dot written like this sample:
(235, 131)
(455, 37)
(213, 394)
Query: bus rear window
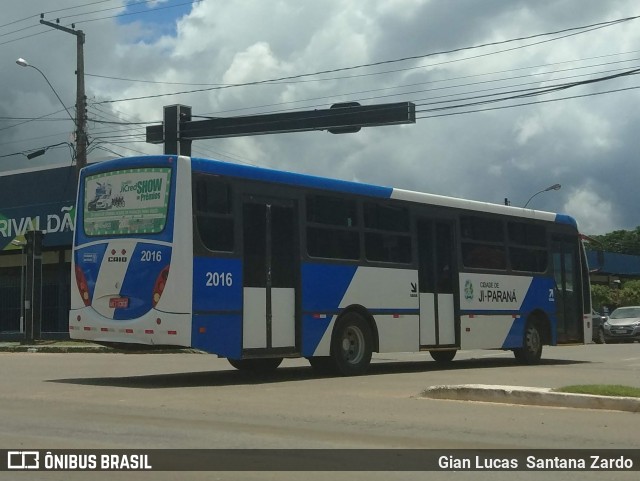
(130, 201)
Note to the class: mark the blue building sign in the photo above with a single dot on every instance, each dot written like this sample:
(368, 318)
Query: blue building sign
(41, 200)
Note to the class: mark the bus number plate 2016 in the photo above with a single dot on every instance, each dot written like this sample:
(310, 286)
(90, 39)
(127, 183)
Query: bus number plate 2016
(119, 302)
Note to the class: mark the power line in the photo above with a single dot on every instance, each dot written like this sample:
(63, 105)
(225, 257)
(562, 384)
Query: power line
(141, 12)
(134, 13)
(350, 95)
(580, 30)
(526, 103)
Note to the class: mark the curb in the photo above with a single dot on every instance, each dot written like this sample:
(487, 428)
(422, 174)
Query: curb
(85, 348)
(57, 348)
(530, 396)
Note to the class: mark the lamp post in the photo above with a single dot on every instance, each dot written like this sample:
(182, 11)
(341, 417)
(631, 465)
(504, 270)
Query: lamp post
(80, 121)
(21, 245)
(23, 63)
(551, 187)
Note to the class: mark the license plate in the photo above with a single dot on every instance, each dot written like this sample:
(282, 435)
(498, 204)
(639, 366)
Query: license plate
(119, 302)
(619, 331)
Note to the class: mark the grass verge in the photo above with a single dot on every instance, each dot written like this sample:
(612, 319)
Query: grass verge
(602, 390)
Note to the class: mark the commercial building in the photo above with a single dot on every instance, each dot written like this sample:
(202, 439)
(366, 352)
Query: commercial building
(42, 200)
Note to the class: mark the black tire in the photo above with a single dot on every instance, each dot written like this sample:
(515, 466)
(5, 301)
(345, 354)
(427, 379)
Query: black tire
(321, 364)
(443, 356)
(351, 345)
(256, 365)
(531, 350)
(600, 336)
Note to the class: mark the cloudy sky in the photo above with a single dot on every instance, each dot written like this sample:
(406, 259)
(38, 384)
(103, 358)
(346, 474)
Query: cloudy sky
(584, 137)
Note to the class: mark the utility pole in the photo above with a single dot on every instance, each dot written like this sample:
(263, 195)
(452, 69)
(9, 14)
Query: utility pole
(81, 99)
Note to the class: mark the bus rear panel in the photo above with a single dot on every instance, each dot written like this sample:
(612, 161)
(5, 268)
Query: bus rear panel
(130, 284)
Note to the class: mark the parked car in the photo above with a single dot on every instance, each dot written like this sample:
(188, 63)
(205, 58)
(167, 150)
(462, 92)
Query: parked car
(597, 323)
(623, 325)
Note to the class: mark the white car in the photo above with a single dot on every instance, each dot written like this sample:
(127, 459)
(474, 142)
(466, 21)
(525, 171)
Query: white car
(623, 325)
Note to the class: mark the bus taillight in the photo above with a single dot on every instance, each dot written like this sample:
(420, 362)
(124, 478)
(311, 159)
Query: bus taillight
(158, 287)
(83, 287)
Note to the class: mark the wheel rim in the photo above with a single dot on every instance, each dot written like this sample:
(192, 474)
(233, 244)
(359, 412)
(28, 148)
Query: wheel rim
(353, 345)
(534, 340)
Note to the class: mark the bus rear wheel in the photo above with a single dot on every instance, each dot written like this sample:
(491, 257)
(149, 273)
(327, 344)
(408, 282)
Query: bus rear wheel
(351, 345)
(531, 350)
(443, 356)
(256, 365)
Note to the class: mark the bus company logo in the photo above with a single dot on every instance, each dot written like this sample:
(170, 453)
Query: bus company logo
(117, 258)
(468, 290)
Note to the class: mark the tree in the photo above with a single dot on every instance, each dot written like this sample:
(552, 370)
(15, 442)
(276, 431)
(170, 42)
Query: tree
(601, 296)
(619, 241)
(627, 295)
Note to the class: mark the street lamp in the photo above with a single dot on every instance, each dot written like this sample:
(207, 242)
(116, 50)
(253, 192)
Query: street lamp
(23, 63)
(21, 245)
(552, 187)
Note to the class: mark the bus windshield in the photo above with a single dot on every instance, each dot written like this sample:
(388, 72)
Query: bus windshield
(125, 202)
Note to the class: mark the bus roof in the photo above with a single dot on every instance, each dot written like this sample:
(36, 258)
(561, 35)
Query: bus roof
(336, 185)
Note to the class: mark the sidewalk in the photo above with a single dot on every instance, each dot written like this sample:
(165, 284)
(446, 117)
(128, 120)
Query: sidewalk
(530, 396)
(66, 346)
(53, 346)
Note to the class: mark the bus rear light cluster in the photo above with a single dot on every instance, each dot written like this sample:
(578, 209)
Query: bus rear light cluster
(83, 287)
(159, 286)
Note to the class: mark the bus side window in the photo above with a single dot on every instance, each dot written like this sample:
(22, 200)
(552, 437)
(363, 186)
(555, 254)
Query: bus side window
(214, 215)
(387, 237)
(527, 247)
(483, 243)
(332, 227)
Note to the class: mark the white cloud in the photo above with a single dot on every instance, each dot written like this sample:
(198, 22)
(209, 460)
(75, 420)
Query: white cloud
(595, 214)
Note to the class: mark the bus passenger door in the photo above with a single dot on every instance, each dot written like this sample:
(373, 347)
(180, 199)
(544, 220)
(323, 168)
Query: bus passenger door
(437, 276)
(269, 273)
(568, 290)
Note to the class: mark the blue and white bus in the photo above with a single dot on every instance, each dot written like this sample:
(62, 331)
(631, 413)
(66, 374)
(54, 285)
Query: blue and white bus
(257, 265)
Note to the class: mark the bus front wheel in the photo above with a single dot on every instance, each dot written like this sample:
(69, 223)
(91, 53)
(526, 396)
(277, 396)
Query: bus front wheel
(256, 365)
(531, 350)
(351, 345)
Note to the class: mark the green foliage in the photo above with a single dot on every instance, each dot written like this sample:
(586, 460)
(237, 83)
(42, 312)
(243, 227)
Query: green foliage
(601, 296)
(627, 295)
(619, 241)
(602, 390)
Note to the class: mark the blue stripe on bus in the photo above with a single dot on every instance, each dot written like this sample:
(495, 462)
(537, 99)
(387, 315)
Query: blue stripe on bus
(540, 296)
(323, 287)
(220, 334)
(217, 287)
(89, 259)
(140, 278)
(289, 178)
(566, 219)
(217, 284)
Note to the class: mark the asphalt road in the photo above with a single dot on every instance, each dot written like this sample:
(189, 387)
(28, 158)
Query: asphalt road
(189, 401)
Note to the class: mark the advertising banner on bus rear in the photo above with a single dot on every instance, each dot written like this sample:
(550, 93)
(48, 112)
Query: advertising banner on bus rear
(131, 201)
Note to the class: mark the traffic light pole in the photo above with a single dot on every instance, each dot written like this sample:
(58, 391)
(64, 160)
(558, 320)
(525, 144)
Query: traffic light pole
(178, 130)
